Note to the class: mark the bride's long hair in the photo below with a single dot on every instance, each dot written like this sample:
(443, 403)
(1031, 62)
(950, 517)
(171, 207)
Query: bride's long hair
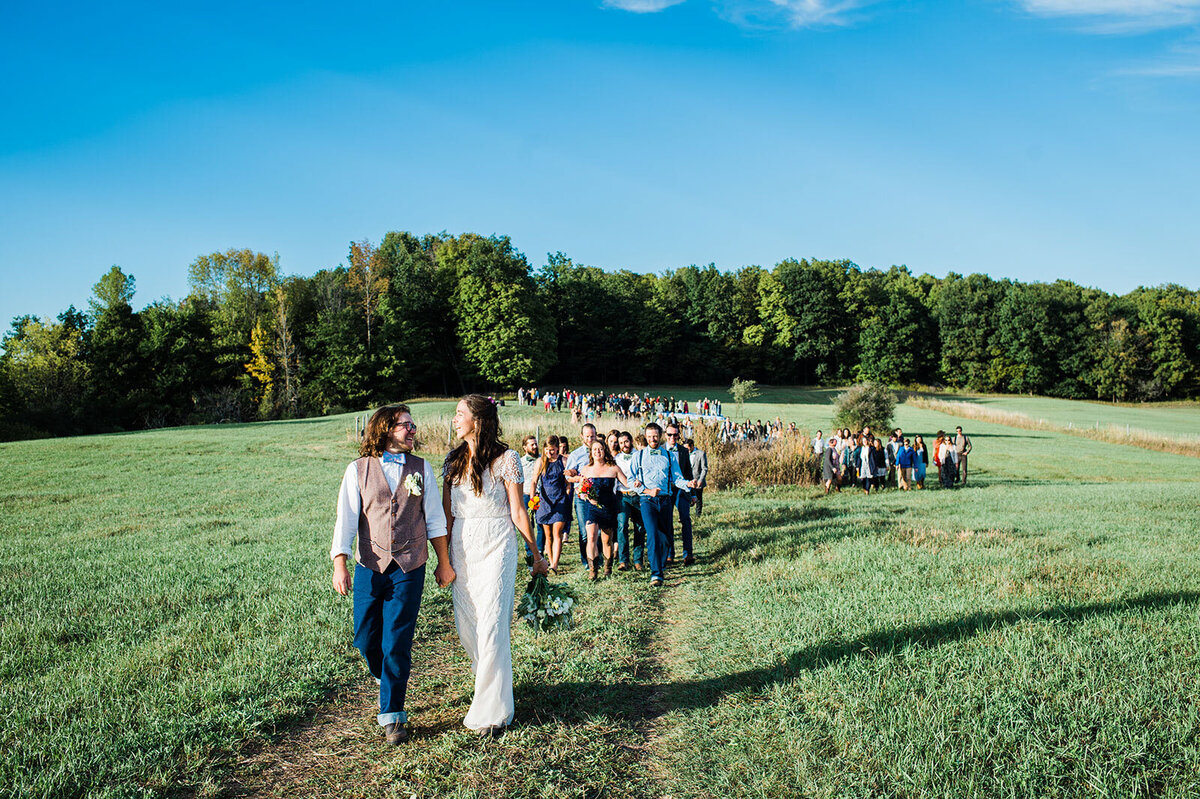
(488, 446)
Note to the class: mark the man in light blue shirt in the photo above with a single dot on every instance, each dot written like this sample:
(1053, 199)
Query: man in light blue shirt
(575, 461)
(655, 470)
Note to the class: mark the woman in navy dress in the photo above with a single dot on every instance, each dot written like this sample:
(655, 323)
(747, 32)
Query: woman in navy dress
(554, 496)
(600, 509)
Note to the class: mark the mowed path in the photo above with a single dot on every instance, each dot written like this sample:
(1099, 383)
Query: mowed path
(602, 737)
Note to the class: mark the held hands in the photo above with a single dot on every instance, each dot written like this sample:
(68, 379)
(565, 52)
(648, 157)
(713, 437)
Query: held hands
(444, 574)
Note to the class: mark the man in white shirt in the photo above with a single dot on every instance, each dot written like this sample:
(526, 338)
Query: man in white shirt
(818, 443)
(576, 461)
(388, 508)
(529, 459)
(629, 553)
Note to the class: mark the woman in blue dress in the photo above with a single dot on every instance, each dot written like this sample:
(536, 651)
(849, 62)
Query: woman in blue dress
(554, 497)
(601, 505)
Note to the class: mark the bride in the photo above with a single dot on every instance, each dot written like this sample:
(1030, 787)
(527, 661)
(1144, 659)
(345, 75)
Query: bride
(482, 495)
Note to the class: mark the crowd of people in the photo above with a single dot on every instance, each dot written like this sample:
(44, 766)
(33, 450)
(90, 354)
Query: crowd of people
(862, 459)
(621, 491)
(591, 406)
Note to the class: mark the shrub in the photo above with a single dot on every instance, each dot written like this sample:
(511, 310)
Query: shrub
(865, 404)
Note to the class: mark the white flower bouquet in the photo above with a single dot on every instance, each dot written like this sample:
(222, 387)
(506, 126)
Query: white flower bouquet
(546, 606)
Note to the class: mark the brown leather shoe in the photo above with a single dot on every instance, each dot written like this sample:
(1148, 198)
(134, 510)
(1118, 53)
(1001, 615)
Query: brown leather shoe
(396, 733)
(689, 560)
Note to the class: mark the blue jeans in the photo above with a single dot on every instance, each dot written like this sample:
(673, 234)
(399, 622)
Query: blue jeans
(683, 503)
(538, 533)
(579, 503)
(656, 516)
(385, 616)
(630, 513)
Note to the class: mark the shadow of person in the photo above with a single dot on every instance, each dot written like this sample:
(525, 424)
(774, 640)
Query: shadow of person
(638, 702)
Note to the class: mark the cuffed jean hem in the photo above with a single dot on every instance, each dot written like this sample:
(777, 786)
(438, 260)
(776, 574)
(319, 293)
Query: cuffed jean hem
(385, 719)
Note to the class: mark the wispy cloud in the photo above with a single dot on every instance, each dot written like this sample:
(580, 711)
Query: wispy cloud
(1119, 16)
(642, 6)
(1182, 62)
(793, 13)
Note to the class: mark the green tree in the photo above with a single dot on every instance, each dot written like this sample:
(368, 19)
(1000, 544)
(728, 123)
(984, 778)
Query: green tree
(743, 391)
(120, 387)
(237, 284)
(44, 363)
(504, 337)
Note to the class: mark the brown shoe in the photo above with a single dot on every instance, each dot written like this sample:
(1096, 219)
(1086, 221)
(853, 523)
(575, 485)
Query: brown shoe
(608, 567)
(592, 573)
(396, 733)
(689, 560)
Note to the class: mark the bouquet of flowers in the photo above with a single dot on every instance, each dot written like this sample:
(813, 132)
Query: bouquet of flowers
(535, 502)
(546, 606)
(585, 491)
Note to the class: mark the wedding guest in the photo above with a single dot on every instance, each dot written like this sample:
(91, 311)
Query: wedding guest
(655, 472)
(879, 463)
(829, 466)
(630, 553)
(920, 461)
(529, 460)
(387, 510)
(600, 504)
(575, 461)
(554, 500)
(904, 465)
(682, 500)
(818, 442)
(699, 459)
(962, 448)
(866, 471)
(944, 458)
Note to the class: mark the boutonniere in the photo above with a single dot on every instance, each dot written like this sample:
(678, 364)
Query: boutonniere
(412, 484)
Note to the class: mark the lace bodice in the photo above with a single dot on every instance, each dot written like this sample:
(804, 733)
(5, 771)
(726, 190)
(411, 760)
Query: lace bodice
(493, 500)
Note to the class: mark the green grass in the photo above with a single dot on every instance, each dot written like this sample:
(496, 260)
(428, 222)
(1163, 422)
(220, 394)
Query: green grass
(166, 608)
(1169, 418)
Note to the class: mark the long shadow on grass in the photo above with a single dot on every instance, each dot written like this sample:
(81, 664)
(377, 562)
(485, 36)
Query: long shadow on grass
(638, 703)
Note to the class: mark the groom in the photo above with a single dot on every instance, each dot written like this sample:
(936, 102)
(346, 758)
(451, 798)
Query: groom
(389, 502)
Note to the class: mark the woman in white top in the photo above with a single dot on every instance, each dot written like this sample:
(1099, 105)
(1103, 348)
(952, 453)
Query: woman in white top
(481, 494)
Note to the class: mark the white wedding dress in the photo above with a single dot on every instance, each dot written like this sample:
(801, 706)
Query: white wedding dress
(483, 552)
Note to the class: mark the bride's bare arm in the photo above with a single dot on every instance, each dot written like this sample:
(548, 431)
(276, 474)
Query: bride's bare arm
(520, 520)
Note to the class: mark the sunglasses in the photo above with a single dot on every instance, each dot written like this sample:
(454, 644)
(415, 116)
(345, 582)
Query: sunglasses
(409, 426)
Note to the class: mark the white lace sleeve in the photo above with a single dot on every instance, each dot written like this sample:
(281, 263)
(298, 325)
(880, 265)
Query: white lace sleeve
(510, 467)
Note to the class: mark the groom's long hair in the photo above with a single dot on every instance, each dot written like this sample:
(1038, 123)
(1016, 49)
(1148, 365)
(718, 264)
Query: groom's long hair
(379, 429)
(488, 446)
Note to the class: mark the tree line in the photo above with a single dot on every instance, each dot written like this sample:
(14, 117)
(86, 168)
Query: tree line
(441, 314)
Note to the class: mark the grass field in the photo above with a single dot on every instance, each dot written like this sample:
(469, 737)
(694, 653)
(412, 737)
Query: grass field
(1167, 418)
(168, 629)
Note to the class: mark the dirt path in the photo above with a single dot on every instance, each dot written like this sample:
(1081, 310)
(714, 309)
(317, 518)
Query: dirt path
(339, 749)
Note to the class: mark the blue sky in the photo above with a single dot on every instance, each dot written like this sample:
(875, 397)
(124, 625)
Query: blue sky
(1032, 139)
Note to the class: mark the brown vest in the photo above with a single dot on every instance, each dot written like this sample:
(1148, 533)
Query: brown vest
(391, 527)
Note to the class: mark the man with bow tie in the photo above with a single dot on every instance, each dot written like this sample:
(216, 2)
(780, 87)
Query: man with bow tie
(655, 471)
(388, 508)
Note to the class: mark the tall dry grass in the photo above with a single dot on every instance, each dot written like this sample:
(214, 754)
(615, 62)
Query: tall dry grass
(785, 461)
(1112, 434)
